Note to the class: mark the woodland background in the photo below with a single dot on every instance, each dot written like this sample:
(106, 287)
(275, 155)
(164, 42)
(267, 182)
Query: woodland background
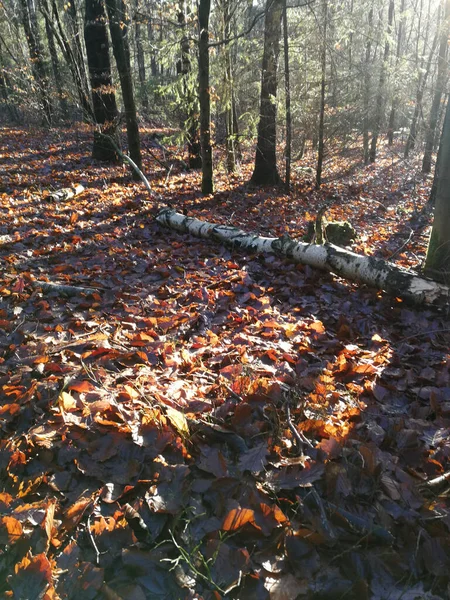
(184, 419)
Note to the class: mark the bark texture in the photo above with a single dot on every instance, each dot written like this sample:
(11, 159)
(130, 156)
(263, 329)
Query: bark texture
(439, 89)
(190, 115)
(321, 132)
(265, 171)
(287, 84)
(103, 93)
(437, 263)
(363, 269)
(38, 66)
(204, 94)
(118, 26)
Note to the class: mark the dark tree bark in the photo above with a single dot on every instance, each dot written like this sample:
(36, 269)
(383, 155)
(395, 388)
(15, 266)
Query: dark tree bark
(190, 115)
(103, 94)
(118, 26)
(321, 132)
(439, 89)
(437, 263)
(56, 69)
(265, 171)
(204, 8)
(38, 67)
(287, 84)
(380, 103)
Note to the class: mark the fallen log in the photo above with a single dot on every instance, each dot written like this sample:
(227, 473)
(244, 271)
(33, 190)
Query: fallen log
(374, 272)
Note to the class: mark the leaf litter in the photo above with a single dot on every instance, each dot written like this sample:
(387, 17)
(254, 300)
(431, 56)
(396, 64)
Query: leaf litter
(149, 408)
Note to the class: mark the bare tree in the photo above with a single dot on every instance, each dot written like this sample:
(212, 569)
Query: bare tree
(204, 93)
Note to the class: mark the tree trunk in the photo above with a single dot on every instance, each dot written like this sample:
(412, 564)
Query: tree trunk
(103, 96)
(423, 76)
(366, 97)
(118, 26)
(204, 94)
(287, 84)
(54, 21)
(395, 99)
(265, 171)
(77, 44)
(38, 67)
(437, 263)
(140, 60)
(153, 63)
(364, 269)
(321, 131)
(439, 90)
(228, 87)
(5, 89)
(190, 111)
(56, 69)
(380, 103)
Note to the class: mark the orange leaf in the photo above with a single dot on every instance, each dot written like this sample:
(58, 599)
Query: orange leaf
(237, 518)
(81, 386)
(10, 530)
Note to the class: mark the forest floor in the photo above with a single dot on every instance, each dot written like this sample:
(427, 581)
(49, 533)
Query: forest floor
(148, 446)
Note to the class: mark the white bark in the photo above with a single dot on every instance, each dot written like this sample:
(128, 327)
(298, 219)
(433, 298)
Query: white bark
(372, 271)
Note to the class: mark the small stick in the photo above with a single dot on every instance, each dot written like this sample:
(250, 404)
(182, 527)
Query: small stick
(91, 537)
(298, 435)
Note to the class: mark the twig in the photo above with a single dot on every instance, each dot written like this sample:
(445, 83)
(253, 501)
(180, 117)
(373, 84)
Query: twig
(94, 545)
(436, 481)
(168, 175)
(133, 165)
(403, 245)
(323, 515)
(298, 435)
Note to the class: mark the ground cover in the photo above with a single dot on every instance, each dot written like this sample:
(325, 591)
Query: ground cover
(150, 428)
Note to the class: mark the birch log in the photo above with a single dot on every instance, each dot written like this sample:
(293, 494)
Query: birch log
(372, 271)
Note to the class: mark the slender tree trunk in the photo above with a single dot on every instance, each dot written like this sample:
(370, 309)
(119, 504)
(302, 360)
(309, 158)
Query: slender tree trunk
(5, 90)
(140, 61)
(366, 97)
(103, 95)
(231, 140)
(56, 69)
(439, 90)
(118, 26)
(395, 99)
(321, 132)
(265, 171)
(437, 263)
(38, 67)
(410, 142)
(77, 43)
(54, 21)
(380, 103)
(191, 110)
(287, 84)
(151, 37)
(204, 94)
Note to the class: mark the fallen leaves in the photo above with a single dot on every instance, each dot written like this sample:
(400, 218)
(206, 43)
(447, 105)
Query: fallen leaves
(145, 449)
